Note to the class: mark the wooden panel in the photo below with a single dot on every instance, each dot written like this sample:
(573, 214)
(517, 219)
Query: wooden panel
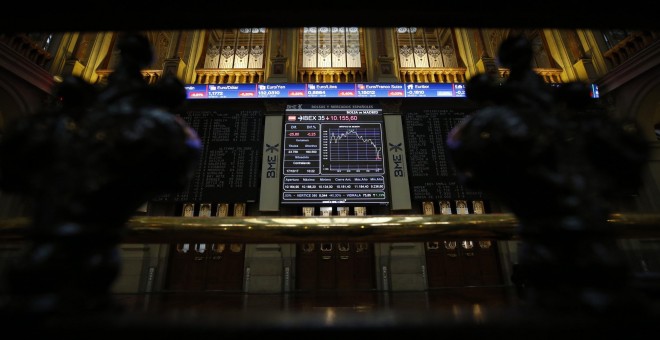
(186, 268)
(225, 269)
(306, 268)
(207, 267)
(335, 266)
(364, 265)
(178, 269)
(459, 263)
(327, 266)
(489, 263)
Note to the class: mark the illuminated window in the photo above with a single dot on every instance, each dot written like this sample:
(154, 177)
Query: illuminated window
(235, 48)
(331, 47)
(426, 47)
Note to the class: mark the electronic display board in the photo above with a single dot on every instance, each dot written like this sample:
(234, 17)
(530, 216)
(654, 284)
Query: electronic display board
(334, 90)
(221, 91)
(326, 90)
(431, 174)
(333, 153)
(228, 168)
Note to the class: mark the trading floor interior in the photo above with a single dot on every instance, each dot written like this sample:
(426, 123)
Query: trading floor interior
(325, 203)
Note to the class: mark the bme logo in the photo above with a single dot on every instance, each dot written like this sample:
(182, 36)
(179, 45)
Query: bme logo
(397, 159)
(271, 160)
(272, 148)
(396, 147)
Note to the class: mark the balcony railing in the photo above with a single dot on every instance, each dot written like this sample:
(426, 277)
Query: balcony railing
(432, 75)
(150, 76)
(630, 46)
(332, 75)
(27, 47)
(549, 75)
(229, 76)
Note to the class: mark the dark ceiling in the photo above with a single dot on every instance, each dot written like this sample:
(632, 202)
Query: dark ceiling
(30, 17)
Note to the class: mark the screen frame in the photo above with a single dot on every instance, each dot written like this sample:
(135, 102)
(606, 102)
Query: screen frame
(340, 116)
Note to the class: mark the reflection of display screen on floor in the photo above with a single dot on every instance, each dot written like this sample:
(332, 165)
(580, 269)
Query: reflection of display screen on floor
(333, 154)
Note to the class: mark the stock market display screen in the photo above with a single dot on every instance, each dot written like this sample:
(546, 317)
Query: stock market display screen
(333, 153)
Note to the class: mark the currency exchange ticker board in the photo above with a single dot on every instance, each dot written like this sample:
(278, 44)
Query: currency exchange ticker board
(325, 90)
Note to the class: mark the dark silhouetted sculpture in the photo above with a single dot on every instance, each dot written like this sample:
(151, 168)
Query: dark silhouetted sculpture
(88, 163)
(557, 161)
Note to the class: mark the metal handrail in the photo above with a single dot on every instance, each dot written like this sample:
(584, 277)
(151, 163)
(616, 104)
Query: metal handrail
(282, 229)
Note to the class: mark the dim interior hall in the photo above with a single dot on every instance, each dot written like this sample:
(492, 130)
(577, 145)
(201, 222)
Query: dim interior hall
(331, 123)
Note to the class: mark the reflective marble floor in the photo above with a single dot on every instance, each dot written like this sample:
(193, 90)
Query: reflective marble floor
(450, 313)
(461, 298)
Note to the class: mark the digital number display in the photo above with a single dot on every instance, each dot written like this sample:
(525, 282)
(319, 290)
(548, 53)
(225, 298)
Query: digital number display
(435, 90)
(333, 154)
(334, 90)
(325, 90)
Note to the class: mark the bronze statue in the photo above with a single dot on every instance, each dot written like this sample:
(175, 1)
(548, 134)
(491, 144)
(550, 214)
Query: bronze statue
(87, 164)
(557, 160)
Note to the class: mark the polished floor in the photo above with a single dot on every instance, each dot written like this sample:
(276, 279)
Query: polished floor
(457, 313)
(463, 313)
(467, 298)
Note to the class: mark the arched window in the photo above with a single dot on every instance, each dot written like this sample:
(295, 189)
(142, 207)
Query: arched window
(331, 47)
(426, 47)
(235, 48)
(331, 55)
